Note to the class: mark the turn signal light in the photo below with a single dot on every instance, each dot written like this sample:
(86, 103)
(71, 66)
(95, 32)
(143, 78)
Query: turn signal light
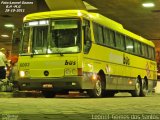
(80, 72)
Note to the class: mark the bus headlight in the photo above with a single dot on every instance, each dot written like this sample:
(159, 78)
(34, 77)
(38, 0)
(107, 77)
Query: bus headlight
(69, 71)
(23, 73)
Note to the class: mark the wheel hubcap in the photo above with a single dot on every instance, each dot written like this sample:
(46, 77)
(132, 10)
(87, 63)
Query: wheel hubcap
(138, 88)
(98, 88)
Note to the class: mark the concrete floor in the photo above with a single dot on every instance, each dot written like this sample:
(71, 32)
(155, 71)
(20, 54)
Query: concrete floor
(31, 106)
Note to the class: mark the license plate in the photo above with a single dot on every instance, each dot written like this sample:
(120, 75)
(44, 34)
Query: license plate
(47, 86)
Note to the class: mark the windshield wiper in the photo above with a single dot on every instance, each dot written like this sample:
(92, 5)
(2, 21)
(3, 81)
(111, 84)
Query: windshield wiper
(58, 50)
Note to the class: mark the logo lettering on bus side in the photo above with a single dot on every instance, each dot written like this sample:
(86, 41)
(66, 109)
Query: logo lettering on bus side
(24, 64)
(70, 62)
(126, 60)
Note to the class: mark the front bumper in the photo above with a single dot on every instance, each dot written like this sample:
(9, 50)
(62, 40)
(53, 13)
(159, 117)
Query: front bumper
(62, 83)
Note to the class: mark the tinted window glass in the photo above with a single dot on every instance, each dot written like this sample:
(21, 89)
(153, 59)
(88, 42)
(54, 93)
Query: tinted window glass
(106, 36)
(151, 53)
(129, 44)
(120, 41)
(111, 38)
(98, 33)
(144, 50)
(137, 46)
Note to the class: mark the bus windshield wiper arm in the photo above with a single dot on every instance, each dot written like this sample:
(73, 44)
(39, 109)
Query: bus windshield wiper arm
(59, 51)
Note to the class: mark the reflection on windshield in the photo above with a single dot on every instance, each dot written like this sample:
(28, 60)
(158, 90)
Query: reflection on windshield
(63, 37)
(40, 39)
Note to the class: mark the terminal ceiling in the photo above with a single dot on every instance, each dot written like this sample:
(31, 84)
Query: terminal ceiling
(130, 13)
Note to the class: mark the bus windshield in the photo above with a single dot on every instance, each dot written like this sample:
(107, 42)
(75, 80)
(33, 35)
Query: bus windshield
(50, 37)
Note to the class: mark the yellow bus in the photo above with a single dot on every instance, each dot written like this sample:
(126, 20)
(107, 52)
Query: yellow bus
(75, 50)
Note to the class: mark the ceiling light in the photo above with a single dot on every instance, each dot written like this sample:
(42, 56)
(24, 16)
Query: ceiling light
(9, 25)
(5, 36)
(148, 4)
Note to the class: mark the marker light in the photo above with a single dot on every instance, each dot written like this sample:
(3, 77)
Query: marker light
(79, 71)
(148, 5)
(94, 77)
(130, 82)
(79, 13)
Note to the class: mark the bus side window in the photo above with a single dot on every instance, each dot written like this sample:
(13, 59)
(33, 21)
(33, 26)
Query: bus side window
(129, 45)
(111, 38)
(98, 33)
(144, 51)
(87, 36)
(120, 41)
(137, 49)
(151, 53)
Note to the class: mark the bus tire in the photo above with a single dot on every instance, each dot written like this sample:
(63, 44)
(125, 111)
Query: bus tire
(144, 88)
(96, 92)
(48, 94)
(136, 92)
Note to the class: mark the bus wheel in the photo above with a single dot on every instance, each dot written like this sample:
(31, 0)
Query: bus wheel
(48, 94)
(136, 92)
(96, 92)
(144, 88)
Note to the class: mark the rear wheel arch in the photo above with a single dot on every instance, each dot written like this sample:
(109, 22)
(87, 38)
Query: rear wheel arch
(103, 78)
(140, 80)
(99, 85)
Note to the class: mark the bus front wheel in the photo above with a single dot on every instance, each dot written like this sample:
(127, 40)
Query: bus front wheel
(96, 92)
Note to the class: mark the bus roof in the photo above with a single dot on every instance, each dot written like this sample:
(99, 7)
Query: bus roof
(96, 17)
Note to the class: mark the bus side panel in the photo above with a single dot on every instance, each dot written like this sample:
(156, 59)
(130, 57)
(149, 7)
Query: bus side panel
(120, 74)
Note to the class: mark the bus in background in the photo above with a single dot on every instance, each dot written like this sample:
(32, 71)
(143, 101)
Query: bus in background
(71, 50)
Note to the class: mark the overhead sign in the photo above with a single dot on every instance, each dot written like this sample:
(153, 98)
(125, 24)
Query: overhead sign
(65, 4)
